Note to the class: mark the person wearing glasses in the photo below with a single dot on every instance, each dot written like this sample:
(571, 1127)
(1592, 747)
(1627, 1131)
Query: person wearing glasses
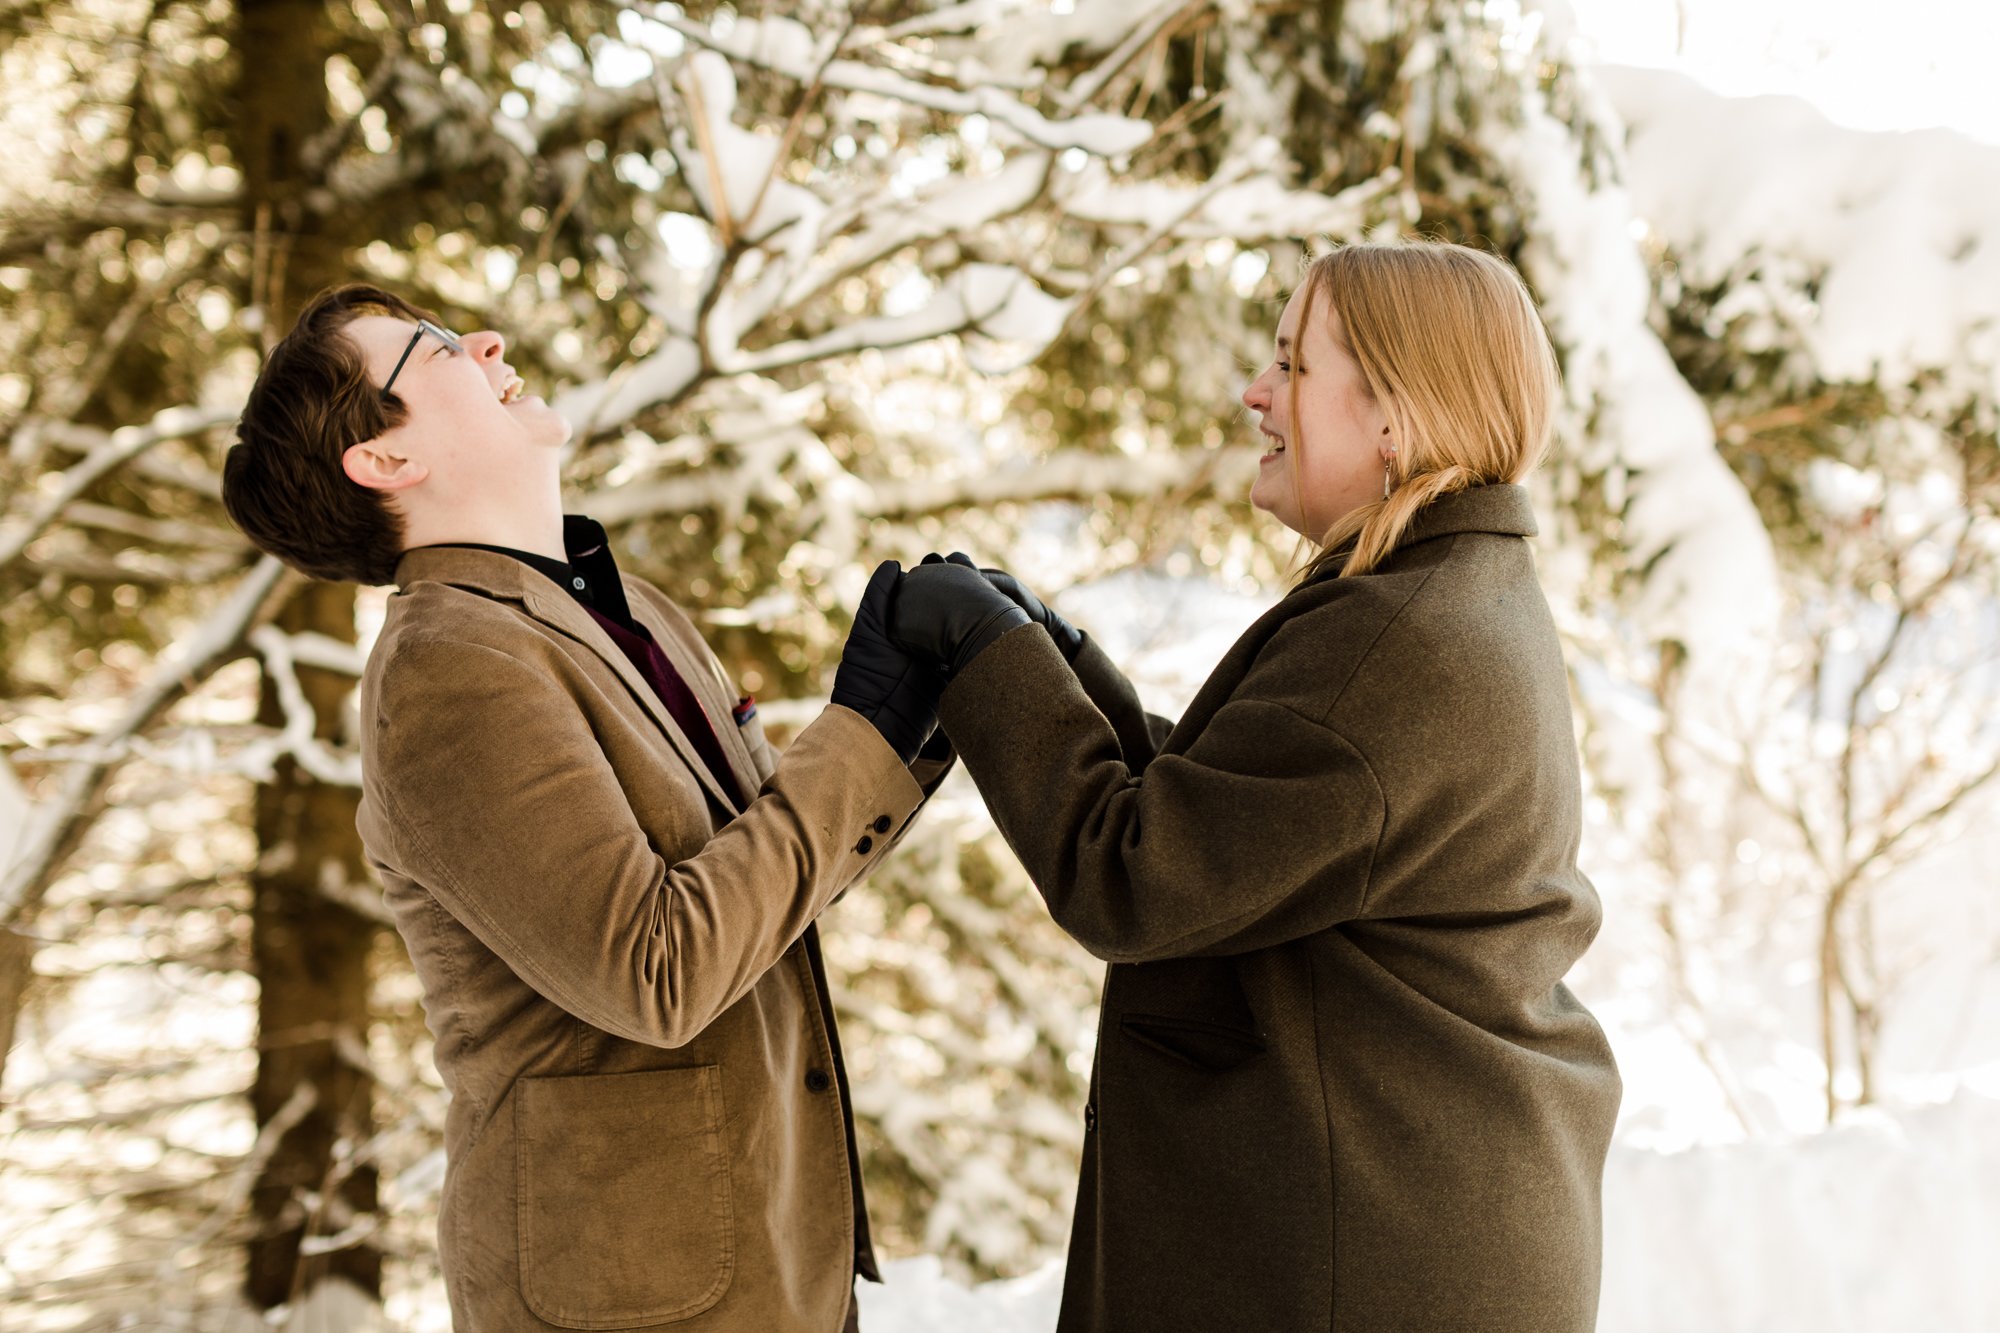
(606, 879)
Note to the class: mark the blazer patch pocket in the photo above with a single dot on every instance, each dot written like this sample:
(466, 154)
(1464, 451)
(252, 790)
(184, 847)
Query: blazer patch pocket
(625, 1212)
(1210, 1046)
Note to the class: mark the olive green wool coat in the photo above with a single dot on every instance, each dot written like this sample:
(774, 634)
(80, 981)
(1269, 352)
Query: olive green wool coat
(1339, 1083)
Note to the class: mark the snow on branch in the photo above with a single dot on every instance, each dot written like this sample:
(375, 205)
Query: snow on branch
(783, 46)
(1246, 208)
(1871, 250)
(113, 451)
(1068, 474)
(299, 737)
(56, 828)
(1154, 20)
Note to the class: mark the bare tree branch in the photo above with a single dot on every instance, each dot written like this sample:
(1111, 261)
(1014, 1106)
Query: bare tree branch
(57, 828)
(119, 448)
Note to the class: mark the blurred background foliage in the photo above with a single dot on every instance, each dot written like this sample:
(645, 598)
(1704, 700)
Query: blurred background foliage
(757, 426)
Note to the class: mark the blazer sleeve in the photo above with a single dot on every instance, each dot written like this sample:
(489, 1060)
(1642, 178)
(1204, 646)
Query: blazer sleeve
(1264, 830)
(1140, 733)
(521, 829)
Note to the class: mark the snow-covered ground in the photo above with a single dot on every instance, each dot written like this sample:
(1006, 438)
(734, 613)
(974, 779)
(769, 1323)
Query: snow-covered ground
(1889, 1224)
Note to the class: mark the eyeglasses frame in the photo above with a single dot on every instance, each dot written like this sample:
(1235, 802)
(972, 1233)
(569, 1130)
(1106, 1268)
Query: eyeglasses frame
(443, 335)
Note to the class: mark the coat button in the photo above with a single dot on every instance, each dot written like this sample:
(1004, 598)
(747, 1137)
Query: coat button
(817, 1080)
(866, 845)
(881, 823)
(1089, 1118)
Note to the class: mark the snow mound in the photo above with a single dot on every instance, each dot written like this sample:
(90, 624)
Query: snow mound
(917, 1297)
(1890, 1221)
(1876, 249)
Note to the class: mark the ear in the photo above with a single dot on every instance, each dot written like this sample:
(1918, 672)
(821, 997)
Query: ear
(1385, 438)
(380, 468)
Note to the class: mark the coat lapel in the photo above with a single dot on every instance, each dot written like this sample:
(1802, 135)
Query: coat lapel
(504, 577)
(705, 679)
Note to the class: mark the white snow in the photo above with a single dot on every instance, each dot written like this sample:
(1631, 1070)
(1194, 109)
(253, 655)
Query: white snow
(1253, 210)
(1889, 1223)
(1875, 251)
(1711, 580)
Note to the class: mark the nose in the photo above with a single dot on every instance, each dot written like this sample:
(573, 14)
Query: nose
(1257, 394)
(485, 345)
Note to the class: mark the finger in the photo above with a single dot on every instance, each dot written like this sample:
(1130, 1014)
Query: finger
(881, 589)
(961, 558)
(882, 580)
(932, 559)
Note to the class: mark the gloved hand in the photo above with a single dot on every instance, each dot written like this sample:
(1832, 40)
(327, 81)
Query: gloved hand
(948, 613)
(1067, 636)
(891, 687)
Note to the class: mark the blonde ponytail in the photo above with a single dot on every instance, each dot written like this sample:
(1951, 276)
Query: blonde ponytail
(1450, 343)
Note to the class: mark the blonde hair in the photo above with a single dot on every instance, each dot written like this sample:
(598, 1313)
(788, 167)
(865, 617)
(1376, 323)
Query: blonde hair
(1450, 344)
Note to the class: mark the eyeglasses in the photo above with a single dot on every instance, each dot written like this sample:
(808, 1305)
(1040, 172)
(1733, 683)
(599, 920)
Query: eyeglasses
(445, 336)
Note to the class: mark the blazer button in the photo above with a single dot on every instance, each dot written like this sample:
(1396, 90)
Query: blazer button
(817, 1080)
(866, 845)
(1089, 1118)
(881, 823)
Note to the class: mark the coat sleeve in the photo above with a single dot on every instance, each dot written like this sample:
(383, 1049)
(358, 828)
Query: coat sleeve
(1263, 831)
(521, 829)
(1140, 733)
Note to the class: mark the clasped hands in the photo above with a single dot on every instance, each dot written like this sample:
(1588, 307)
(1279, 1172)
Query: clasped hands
(915, 630)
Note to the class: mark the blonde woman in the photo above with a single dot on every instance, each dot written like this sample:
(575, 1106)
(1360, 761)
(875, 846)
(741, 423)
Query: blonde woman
(1339, 1081)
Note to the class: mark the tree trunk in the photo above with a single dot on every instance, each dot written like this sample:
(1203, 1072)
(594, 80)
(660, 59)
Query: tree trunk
(1829, 989)
(17, 954)
(311, 957)
(310, 953)
(17, 964)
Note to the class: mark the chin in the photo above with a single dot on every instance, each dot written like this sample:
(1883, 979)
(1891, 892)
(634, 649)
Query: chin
(1287, 521)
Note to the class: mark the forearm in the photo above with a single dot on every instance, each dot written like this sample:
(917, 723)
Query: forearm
(1139, 733)
(1174, 863)
(584, 908)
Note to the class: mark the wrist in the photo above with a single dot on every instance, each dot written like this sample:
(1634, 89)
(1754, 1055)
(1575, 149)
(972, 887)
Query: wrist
(997, 623)
(1067, 636)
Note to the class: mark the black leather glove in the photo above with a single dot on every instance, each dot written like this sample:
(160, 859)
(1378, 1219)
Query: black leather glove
(891, 687)
(949, 613)
(1067, 636)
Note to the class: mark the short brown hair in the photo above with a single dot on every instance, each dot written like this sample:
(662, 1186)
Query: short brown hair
(282, 482)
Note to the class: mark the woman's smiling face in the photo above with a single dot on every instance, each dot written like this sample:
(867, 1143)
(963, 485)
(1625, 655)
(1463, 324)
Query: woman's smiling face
(1309, 478)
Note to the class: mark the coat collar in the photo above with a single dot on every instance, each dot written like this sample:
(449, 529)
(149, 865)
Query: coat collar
(1503, 509)
(504, 578)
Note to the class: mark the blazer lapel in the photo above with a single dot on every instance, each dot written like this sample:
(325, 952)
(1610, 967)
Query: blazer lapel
(706, 681)
(561, 612)
(502, 577)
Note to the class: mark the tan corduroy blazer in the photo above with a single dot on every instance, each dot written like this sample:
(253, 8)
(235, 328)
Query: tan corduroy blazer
(648, 1121)
(1339, 1083)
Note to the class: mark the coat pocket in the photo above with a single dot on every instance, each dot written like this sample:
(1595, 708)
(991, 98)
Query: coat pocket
(623, 1196)
(1211, 1046)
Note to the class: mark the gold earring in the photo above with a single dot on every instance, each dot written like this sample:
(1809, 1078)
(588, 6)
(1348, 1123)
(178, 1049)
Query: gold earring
(1387, 462)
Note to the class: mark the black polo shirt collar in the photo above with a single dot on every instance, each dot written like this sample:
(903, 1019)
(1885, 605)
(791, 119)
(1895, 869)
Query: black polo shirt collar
(590, 574)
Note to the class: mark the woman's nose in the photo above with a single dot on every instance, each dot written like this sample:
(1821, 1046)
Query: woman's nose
(1257, 395)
